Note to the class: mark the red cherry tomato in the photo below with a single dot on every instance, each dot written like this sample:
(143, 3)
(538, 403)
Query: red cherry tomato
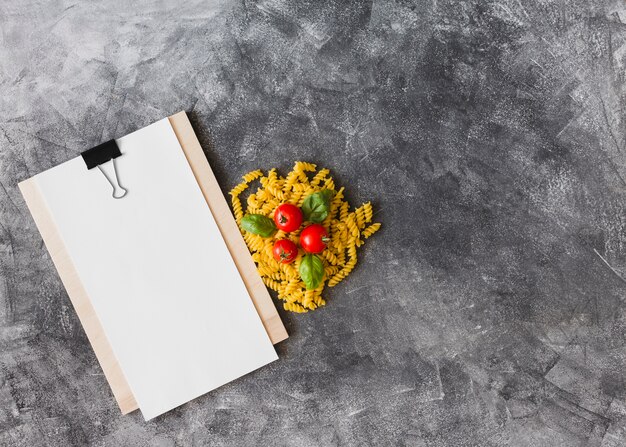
(314, 238)
(288, 217)
(285, 251)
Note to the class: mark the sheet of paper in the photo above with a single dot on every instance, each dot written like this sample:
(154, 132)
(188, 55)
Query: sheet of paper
(163, 284)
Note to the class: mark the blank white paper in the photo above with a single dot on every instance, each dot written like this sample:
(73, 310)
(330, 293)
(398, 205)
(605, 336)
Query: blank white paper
(161, 279)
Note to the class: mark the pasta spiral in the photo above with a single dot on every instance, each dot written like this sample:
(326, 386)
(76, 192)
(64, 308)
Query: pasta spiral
(251, 176)
(347, 231)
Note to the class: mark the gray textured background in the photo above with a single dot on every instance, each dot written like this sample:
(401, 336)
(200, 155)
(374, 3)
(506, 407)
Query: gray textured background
(489, 311)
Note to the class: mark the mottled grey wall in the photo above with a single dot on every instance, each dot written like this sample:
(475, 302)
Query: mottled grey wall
(489, 311)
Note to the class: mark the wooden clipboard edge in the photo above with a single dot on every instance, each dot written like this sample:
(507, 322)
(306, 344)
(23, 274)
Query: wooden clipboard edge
(78, 296)
(228, 227)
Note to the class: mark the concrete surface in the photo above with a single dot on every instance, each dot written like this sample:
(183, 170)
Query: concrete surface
(489, 311)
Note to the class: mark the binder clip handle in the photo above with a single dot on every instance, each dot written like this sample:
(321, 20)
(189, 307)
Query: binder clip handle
(99, 157)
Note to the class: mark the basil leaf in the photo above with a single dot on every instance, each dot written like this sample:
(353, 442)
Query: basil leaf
(317, 205)
(258, 224)
(311, 271)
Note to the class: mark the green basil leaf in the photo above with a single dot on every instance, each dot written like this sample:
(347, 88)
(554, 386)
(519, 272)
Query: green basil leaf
(311, 271)
(317, 205)
(258, 224)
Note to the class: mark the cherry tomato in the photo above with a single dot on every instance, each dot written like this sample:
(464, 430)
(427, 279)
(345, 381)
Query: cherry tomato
(285, 251)
(314, 238)
(288, 217)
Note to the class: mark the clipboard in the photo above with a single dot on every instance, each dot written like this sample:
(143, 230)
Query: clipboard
(229, 231)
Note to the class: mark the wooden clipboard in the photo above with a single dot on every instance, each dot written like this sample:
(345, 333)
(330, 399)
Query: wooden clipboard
(228, 228)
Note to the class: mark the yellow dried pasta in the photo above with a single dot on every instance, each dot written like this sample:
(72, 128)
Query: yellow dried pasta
(347, 231)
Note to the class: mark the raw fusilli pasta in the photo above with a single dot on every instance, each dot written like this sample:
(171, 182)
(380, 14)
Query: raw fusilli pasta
(347, 230)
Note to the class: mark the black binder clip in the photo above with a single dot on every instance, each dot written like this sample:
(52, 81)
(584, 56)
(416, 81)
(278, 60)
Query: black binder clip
(103, 157)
